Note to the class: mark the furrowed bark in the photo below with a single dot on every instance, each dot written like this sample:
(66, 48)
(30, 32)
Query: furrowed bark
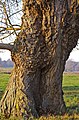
(49, 33)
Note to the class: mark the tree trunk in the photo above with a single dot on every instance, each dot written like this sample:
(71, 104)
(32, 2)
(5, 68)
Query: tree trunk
(49, 33)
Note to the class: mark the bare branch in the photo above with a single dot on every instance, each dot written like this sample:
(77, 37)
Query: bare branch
(8, 18)
(6, 36)
(6, 46)
(14, 13)
(11, 28)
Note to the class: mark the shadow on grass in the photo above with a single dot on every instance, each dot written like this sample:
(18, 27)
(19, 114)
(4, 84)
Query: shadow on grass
(70, 88)
(73, 109)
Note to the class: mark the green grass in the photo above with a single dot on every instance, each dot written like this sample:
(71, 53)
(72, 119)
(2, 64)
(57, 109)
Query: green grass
(71, 94)
(4, 78)
(71, 79)
(71, 84)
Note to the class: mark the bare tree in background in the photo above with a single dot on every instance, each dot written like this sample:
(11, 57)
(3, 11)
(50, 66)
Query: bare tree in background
(49, 32)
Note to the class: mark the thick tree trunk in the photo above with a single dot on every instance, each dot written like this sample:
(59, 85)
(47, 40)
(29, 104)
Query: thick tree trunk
(49, 33)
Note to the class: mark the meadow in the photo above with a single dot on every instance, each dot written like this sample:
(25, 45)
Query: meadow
(71, 96)
(71, 92)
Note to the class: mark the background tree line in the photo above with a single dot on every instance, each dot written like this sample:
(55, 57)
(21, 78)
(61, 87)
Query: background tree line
(6, 63)
(71, 66)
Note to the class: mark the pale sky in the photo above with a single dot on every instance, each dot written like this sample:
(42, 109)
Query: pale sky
(5, 55)
(74, 55)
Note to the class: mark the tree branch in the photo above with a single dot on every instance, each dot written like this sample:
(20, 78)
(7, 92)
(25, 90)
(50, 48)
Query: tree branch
(10, 28)
(6, 46)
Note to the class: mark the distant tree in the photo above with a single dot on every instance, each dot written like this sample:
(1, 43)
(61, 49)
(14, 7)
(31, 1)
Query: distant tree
(7, 63)
(71, 66)
(49, 32)
(77, 67)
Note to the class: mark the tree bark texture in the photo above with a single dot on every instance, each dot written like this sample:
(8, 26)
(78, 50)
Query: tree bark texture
(49, 32)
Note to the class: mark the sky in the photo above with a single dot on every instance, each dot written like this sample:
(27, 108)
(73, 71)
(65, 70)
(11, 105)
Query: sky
(74, 55)
(5, 55)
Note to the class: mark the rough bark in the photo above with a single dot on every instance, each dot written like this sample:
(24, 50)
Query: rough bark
(49, 33)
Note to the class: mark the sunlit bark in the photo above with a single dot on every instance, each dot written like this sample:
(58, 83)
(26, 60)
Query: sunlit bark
(49, 33)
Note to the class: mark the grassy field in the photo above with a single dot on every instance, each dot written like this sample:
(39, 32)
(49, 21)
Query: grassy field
(71, 92)
(71, 95)
(3, 82)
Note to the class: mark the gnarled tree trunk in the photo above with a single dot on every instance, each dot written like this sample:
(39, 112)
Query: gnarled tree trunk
(49, 33)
